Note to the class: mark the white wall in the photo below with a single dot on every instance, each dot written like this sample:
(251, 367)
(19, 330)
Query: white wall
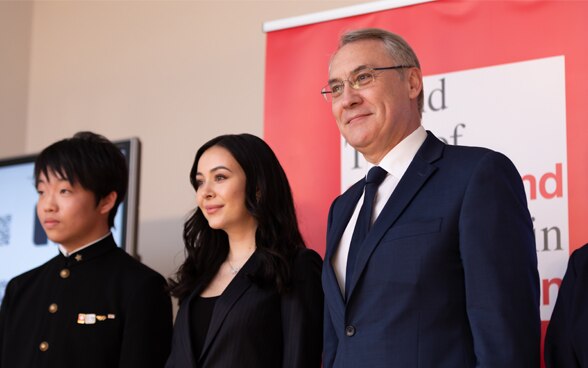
(173, 73)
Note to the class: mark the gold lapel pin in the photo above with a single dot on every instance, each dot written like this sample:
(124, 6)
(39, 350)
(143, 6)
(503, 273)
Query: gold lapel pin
(91, 318)
(86, 318)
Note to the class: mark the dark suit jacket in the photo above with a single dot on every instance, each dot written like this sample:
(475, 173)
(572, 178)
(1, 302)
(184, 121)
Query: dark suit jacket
(133, 316)
(447, 277)
(253, 326)
(566, 341)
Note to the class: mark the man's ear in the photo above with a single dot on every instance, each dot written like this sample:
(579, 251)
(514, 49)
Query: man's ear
(107, 203)
(415, 82)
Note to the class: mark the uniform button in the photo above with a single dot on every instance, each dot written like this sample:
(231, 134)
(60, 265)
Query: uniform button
(44, 346)
(53, 308)
(64, 273)
(349, 331)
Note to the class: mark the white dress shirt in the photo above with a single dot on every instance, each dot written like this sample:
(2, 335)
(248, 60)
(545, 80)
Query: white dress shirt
(395, 163)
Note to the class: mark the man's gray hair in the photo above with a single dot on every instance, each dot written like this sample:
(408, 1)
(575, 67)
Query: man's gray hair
(397, 47)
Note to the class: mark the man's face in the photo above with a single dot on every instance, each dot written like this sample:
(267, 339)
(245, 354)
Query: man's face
(376, 118)
(69, 213)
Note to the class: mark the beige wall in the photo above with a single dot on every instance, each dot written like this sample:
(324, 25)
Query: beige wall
(174, 74)
(15, 36)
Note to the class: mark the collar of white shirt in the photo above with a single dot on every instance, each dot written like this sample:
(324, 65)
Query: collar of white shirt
(67, 254)
(396, 161)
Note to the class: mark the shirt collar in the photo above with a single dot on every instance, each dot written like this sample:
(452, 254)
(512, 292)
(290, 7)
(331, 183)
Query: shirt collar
(67, 254)
(396, 161)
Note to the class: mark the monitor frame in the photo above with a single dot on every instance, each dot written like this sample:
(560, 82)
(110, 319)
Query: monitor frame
(131, 203)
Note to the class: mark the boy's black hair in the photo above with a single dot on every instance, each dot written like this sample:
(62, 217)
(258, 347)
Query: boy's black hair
(91, 160)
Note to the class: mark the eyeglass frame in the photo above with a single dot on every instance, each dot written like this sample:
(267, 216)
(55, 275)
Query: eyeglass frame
(355, 84)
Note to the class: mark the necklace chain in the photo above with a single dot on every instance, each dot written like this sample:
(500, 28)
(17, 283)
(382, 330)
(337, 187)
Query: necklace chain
(234, 270)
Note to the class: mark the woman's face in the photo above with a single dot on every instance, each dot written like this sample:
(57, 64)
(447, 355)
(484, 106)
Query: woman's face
(220, 192)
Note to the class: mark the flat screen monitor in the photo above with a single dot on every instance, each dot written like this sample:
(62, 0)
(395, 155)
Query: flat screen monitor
(23, 242)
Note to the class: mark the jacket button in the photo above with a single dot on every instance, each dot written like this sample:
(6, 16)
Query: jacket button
(349, 331)
(44, 346)
(53, 308)
(64, 274)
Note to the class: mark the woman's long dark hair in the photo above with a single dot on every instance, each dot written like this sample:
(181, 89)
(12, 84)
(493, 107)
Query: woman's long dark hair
(268, 198)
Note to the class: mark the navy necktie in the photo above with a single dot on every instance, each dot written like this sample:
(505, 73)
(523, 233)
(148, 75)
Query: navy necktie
(374, 178)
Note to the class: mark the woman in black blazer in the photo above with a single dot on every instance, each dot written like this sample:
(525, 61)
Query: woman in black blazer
(249, 290)
(566, 340)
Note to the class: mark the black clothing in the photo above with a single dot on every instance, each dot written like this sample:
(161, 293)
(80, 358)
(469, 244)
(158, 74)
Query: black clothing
(254, 326)
(200, 313)
(98, 308)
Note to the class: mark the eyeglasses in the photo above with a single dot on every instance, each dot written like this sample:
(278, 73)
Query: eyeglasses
(358, 80)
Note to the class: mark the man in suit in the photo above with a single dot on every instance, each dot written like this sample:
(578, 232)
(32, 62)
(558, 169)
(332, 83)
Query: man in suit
(92, 305)
(446, 275)
(566, 340)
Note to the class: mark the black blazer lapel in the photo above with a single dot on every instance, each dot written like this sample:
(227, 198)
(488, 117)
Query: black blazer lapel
(228, 298)
(183, 340)
(417, 174)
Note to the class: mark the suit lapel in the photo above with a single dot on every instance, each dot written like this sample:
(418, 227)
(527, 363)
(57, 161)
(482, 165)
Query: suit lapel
(338, 224)
(182, 325)
(229, 297)
(341, 216)
(414, 178)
